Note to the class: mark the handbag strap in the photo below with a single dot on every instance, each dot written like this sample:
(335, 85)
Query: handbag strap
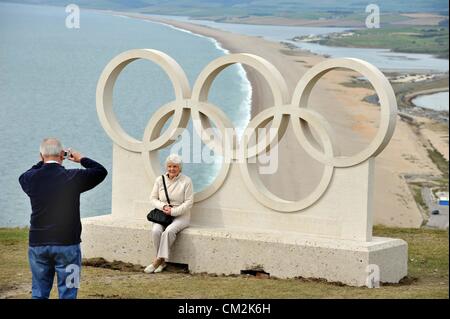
(165, 189)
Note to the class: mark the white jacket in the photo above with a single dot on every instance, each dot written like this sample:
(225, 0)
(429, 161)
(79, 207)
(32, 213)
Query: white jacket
(180, 192)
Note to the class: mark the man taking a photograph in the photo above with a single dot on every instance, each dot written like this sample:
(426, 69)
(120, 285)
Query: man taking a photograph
(55, 230)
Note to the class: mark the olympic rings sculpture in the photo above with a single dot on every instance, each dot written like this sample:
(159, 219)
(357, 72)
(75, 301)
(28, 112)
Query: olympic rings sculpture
(195, 104)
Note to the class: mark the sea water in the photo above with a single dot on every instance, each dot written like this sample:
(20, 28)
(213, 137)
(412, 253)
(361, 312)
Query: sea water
(48, 79)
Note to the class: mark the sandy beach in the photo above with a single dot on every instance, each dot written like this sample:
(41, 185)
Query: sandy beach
(354, 121)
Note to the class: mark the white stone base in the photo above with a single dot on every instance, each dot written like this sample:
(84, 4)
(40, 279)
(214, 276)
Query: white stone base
(229, 251)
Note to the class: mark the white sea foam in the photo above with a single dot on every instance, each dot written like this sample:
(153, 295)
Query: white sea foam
(121, 16)
(246, 86)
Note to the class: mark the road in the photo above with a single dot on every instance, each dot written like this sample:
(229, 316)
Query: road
(439, 221)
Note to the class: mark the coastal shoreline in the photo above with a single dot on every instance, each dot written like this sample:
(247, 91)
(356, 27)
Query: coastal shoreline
(411, 96)
(355, 123)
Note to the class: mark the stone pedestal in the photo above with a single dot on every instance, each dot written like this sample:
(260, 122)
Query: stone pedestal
(232, 232)
(230, 251)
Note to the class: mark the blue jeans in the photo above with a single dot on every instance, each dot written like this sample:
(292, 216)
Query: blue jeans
(45, 261)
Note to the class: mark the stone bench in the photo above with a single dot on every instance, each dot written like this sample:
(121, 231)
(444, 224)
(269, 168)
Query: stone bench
(233, 250)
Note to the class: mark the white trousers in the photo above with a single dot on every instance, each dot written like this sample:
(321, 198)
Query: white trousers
(163, 239)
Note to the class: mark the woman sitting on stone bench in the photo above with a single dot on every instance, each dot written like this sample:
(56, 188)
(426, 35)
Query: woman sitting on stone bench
(181, 196)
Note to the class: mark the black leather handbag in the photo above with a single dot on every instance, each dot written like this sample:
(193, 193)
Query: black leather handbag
(158, 216)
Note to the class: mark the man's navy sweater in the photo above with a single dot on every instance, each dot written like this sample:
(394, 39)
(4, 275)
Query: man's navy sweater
(54, 193)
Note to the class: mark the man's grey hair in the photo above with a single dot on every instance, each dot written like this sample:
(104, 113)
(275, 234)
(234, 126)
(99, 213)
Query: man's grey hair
(175, 159)
(50, 147)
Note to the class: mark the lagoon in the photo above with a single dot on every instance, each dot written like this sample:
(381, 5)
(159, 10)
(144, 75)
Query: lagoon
(382, 58)
(435, 101)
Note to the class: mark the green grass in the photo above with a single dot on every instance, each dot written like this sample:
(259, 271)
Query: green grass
(417, 193)
(443, 165)
(427, 276)
(439, 161)
(430, 40)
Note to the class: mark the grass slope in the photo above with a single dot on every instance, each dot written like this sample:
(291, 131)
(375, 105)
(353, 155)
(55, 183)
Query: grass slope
(427, 276)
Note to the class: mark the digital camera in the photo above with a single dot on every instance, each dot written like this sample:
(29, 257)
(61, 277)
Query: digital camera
(67, 154)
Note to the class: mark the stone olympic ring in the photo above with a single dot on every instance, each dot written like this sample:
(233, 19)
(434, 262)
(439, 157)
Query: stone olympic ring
(196, 104)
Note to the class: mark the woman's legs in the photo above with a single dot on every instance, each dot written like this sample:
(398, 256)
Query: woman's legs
(169, 235)
(157, 231)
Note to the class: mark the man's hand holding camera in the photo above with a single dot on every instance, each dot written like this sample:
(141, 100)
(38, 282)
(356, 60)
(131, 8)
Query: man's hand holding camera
(73, 155)
(69, 154)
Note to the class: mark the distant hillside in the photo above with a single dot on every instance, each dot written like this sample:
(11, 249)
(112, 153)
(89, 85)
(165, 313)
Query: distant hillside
(299, 9)
(407, 39)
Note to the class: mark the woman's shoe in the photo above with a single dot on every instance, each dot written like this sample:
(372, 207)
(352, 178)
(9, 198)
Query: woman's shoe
(160, 268)
(150, 269)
